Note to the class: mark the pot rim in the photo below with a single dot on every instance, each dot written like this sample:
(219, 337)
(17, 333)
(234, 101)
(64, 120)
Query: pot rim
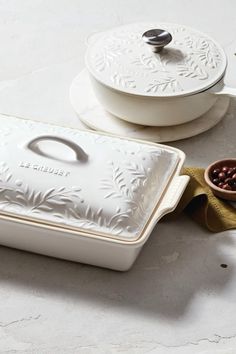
(153, 97)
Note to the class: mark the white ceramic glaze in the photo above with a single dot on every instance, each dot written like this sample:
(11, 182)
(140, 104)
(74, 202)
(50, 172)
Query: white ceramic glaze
(83, 181)
(153, 111)
(91, 112)
(120, 59)
(75, 246)
(80, 195)
(168, 88)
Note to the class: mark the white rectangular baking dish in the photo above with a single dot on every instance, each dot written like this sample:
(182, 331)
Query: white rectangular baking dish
(81, 195)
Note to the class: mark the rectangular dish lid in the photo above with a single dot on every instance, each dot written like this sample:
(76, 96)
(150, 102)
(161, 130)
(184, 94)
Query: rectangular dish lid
(81, 180)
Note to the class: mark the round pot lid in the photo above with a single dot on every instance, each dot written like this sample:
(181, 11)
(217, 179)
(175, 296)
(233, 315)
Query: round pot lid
(155, 59)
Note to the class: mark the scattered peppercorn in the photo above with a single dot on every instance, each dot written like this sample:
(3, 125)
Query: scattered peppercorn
(223, 265)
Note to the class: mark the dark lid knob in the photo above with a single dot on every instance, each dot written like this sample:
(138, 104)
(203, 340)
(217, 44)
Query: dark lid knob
(157, 39)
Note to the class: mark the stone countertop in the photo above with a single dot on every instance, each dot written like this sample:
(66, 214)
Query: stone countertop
(177, 298)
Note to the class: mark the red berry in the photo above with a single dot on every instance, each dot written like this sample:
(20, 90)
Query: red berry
(215, 172)
(216, 181)
(230, 181)
(225, 169)
(229, 172)
(222, 176)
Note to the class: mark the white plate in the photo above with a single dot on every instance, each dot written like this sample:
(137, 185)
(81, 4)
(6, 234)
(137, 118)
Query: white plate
(94, 116)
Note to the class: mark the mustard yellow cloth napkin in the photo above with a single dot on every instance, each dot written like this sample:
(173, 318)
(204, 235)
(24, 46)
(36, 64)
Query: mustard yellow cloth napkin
(200, 203)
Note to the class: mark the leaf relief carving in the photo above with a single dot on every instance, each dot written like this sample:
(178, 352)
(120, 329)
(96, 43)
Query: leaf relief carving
(123, 80)
(169, 84)
(192, 70)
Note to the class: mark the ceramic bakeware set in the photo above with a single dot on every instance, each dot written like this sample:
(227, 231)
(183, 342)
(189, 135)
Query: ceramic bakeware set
(92, 197)
(81, 195)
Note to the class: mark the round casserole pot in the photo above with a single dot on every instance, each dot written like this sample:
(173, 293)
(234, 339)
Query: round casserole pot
(156, 74)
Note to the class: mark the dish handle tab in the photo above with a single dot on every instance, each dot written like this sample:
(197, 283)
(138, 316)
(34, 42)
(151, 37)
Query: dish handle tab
(221, 89)
(227, 91)
(172, 196)
(80, 154)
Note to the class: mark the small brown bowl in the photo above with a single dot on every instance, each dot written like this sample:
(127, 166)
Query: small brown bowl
(217, 191)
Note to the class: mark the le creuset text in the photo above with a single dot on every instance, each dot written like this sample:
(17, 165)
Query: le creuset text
(43, 168)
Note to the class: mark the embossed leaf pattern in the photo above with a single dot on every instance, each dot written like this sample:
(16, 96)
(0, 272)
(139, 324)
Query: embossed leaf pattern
(116, 184)
(88, 218)
(135, 194)
(53, 198)
(62, 203)
(191, 57)
(5, 176)
(103, 60)
(66, 205)
(154, 155)
(95, 219)
(208, 54)
(169, 84)
(191, 69)
(139, 174)
(123, 80)
(128, 39)
(32, 200)
(36, 201)
(153, 64)
(109, 54)
(205, 50)
(209, 58)
(189, 41)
